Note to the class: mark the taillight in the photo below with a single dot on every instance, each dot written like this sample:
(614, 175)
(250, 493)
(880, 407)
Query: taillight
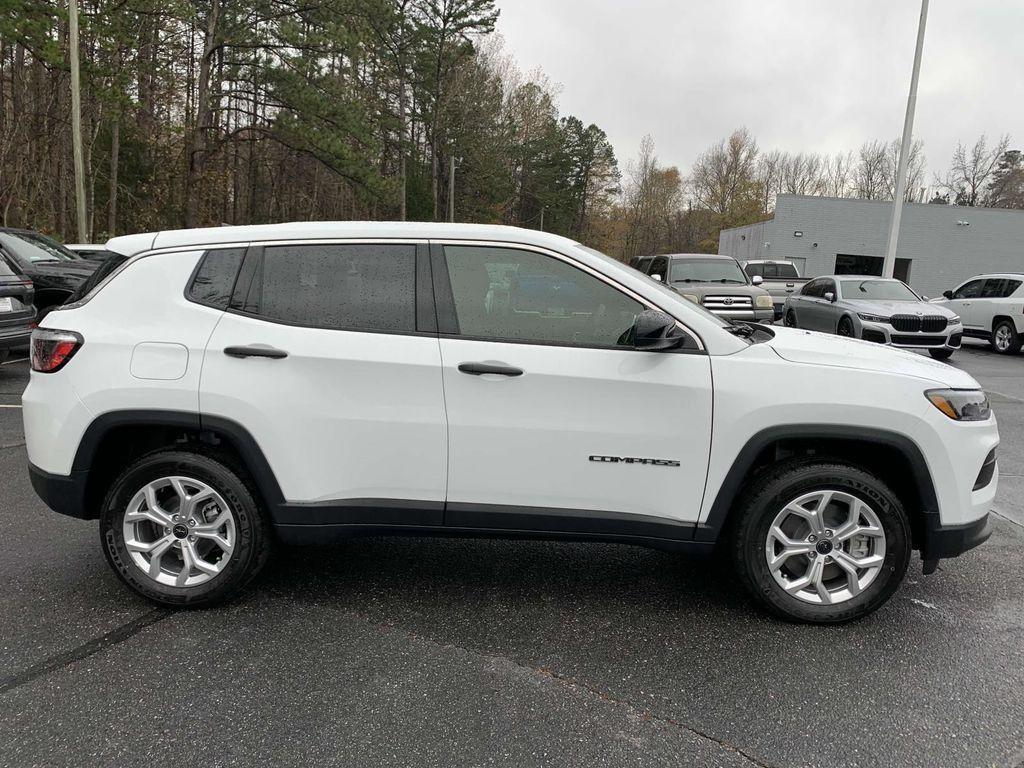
(51, 349)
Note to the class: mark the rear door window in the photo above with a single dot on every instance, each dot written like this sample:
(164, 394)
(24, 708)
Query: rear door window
(365, 287)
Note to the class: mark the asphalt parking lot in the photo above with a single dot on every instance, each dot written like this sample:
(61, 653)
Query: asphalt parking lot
(396, 652)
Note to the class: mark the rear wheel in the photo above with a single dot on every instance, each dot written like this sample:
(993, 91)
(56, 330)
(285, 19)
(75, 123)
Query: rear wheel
(1005, 339)
(820, 542)
(941, 354)
(182, 528)
(845, 327)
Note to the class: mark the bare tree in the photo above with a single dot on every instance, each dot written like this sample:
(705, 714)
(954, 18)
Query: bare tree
(970, 171)
(838, 174)
(769, 178)
(915, 169)
(803, 174)
(870, 175)
(1006, 189)
(722, 179)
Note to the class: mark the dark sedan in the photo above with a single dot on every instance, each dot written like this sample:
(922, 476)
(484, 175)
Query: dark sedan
(17, 312)
(55, 271)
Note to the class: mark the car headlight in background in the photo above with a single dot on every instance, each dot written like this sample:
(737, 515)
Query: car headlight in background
(763, 302)
(961, 404)
(691, 297)
(873, 318)
(954, 319)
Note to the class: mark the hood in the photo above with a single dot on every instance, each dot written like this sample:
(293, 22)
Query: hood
(799, 346)
(889, 308)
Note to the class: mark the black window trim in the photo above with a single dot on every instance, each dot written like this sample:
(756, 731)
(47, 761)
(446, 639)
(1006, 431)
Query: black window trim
(447, 321)
(245, 299)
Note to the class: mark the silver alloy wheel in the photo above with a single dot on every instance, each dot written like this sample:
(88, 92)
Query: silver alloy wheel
(825, 547)
(1003, 338)
(179, 531)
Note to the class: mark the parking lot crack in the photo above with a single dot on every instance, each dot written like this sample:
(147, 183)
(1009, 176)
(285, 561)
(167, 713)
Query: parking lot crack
(83, 651)
(575, 685)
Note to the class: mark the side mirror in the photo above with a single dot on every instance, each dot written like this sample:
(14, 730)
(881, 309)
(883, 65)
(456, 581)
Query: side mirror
(656, 277)
(948, 294)
(830, 297)
(656, 331)
(757, 280)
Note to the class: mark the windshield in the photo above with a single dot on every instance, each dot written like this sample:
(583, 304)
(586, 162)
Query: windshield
(707, 271)
(882, 290)
(670, 293)
(36, 248)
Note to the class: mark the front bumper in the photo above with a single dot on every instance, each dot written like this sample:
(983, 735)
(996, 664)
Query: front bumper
(750, 315)
(883, 333)
(942, 541)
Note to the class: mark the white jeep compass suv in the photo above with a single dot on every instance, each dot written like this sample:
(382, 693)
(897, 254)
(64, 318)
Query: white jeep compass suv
(215, 390)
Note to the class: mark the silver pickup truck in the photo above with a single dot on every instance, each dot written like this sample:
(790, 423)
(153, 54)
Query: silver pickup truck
(779, 277)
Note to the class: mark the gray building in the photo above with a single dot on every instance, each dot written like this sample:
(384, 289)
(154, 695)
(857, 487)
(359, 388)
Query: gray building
(939, 245)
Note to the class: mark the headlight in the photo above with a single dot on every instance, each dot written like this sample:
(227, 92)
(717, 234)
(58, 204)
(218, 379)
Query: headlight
(763, 302)
(961, 404)
(691, 297)
(954, 319)
(873, 318)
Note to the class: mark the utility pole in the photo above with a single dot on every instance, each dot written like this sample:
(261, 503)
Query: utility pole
(908, 130)
(76, 122)
(542, 209)
(451, 189)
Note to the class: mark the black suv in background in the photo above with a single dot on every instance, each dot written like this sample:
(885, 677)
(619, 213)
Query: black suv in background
(17, 312)
(55, 271)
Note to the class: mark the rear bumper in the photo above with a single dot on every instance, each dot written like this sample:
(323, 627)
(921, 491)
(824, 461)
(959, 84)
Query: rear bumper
(61, 493)
(942, 541)
(17, 336)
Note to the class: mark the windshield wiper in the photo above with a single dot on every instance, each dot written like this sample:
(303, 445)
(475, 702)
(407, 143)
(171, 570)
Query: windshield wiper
(740, 329)
(689, 280)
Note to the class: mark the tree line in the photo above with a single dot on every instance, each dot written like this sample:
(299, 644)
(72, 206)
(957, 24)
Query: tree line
(204, 113)
(209, 112)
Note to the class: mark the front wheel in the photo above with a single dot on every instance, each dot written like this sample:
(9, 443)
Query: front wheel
(820, 542)
(845, 328)
(181, 528)
(941, 354)
(790, 319)
(1005, 339)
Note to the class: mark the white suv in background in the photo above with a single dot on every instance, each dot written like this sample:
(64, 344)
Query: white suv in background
(224, 388)
(992, 308)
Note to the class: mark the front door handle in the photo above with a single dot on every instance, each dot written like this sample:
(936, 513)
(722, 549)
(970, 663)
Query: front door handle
(255, 351)
(480, 369)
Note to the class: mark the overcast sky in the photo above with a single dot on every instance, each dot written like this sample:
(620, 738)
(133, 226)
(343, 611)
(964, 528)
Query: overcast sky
(821, 75)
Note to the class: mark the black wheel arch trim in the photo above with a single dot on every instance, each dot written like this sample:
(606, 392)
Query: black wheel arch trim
(306, 521)
(731, 486)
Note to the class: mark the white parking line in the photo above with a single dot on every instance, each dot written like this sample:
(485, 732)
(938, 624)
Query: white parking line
(12, 362)
(10, 406)
(1008, 397)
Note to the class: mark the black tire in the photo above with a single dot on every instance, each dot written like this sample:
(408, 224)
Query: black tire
(845, 328)
(253, 535)
(767, 494)
(941, 354)
(790, 320)
(1015, 340)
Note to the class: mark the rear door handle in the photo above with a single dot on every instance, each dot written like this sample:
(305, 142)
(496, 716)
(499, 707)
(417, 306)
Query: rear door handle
(480, 369)
(255, 351)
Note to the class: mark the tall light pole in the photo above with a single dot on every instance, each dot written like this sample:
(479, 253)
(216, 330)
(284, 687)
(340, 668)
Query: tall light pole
(76, 122)
(908, 130)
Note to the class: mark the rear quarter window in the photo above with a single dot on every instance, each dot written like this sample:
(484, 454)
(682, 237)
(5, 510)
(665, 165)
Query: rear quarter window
(214, 278)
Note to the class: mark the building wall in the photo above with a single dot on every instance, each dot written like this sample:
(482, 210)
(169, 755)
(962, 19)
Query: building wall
(943, 252)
